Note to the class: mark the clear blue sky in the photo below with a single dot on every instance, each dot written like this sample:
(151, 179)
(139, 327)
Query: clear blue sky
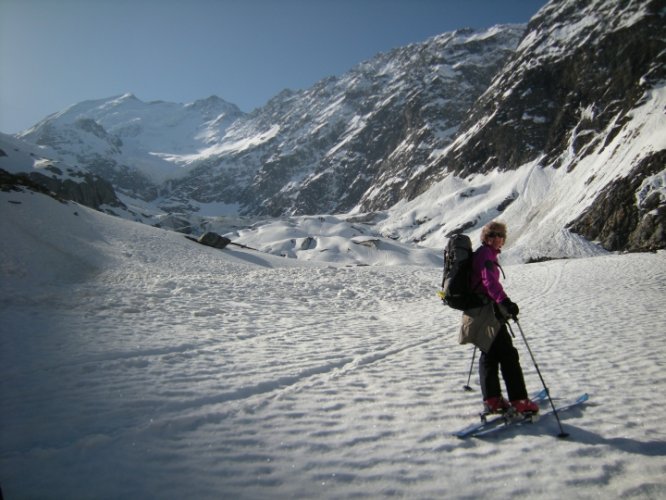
(54, 53)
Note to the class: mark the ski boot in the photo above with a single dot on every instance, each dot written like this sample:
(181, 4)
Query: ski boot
(495, 406)
(526, 408)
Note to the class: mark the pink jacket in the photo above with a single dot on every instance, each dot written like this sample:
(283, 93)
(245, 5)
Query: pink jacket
(486, 273)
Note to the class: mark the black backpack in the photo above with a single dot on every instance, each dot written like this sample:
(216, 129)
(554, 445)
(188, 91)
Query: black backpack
(456, 287)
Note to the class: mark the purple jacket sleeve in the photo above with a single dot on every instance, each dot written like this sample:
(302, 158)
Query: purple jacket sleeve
(486, 265)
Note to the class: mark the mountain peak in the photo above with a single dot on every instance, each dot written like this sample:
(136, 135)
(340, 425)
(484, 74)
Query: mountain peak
(128, 96)
(214, 104)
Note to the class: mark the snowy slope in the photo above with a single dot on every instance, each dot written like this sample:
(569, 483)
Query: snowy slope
(23, 163)
(17, 156)
(137, 364)
(579, 110)
(124, 134)
(537, 202)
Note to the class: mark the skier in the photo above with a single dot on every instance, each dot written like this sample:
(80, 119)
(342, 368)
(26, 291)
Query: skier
(485, 327)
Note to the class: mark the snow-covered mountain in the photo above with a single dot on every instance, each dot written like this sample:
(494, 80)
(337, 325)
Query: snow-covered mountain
(22, 164)
(130, 142)
(558, 127)
(581, 103)
(314, 151)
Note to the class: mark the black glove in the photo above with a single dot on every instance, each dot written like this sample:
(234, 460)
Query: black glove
(511, 307)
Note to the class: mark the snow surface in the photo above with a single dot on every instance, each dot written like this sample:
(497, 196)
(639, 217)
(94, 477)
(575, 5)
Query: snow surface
(21, 157)
(135, 363)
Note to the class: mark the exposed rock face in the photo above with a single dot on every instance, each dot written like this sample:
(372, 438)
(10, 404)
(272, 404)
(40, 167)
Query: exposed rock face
(91, 191)
(577, 77)
(214, 240)
(580, 69)
(621, 222)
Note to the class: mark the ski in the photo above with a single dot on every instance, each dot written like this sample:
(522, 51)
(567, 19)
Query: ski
(491, 422)
(517, 423)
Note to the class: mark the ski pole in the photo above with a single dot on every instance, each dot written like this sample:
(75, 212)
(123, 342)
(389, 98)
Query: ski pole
(471, 366)
(562, 434)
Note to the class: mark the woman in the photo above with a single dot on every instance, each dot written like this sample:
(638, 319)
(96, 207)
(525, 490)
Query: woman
(486, 328)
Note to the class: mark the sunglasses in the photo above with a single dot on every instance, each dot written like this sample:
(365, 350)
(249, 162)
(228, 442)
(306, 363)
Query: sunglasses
(496, 235)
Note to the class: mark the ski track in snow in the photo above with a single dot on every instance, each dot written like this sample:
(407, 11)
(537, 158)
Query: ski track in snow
(186, 372)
